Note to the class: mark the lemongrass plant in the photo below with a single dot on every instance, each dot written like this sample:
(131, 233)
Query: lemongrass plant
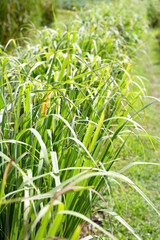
(67, 107)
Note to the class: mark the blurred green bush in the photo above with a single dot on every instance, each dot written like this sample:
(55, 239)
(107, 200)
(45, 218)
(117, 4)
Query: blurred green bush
(15, 14)
(153, 13)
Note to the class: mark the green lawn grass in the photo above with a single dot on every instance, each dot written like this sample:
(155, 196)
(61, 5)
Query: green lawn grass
(126, 201)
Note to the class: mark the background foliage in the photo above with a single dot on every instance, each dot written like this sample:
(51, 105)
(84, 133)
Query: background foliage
(16, 15)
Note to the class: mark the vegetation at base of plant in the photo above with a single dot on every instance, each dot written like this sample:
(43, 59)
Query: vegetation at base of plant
(68, 106)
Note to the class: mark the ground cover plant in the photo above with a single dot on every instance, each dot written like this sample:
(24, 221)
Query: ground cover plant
(68, 106)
